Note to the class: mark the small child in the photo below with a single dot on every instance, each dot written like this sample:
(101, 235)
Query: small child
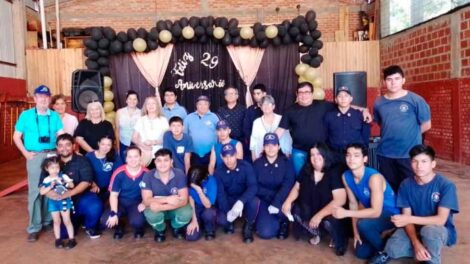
(59, 183)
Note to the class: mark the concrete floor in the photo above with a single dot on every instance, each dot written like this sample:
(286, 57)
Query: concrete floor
(224, 249)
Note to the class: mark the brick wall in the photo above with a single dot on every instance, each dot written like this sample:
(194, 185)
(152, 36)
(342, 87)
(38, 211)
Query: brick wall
(436, 60)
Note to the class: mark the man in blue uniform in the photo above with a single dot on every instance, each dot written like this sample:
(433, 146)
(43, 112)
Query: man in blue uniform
(236, 193)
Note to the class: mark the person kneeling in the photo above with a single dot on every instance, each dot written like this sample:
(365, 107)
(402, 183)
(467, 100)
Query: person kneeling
(428, 201)
(165, 196)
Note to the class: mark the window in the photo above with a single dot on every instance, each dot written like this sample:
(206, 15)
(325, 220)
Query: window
(397, 15)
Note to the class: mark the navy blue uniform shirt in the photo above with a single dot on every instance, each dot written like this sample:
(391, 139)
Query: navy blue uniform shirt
(343, 129)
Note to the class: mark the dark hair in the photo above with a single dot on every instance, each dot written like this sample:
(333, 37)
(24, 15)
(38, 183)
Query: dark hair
(422, 149)
(325, 153)
(304, 84)
(390, 70)
(111, 155)
(170, 90)
(197, 174)
(132, 148)
(64, 136)
(360, 146)
(176, 119)
(55, 98)
(48, 161)
(163, 152)
(259, 86)
(132, 92)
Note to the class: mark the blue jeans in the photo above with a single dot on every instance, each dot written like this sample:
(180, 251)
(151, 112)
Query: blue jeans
(433, 237)
(370, 231)
(298, 159)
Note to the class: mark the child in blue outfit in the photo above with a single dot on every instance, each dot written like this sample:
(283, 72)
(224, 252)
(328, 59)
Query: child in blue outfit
(59, 183)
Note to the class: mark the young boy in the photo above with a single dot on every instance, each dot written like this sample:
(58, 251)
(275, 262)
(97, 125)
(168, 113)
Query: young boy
(179, 143)
(223, 131)
(371, 203)
(428, 201)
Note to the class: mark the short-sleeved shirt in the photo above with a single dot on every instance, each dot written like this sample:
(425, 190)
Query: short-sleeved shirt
(152, 182)
(400, 120)
(177, 110)
(33, 126)
(103, 168)
(260, 128)
(126, 124)
(424, 200)
(234, 118)
(306, 124)
(252, 113)
(315, 196)
(127, 185)
(92, 133)
(209, 187)
(346, 128)
(178, 148)
(201, 129)
(218, 151)
(152, 129)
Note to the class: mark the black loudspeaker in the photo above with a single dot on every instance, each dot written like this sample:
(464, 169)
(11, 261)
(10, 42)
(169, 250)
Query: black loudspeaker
(357, 84)
(87, 86)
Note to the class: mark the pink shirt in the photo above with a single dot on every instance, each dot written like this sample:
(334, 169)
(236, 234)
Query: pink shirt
(70, 123)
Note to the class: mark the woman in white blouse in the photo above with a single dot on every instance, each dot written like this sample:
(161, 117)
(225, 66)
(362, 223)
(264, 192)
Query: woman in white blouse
(268, 122)
(126, 119)
(69, 121)
(149, 130)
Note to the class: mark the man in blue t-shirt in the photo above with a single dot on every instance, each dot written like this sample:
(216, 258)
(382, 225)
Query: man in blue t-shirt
(402, 116)
(428, 201)
(179, 143)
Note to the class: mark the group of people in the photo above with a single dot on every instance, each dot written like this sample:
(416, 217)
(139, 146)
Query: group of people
(203, 170)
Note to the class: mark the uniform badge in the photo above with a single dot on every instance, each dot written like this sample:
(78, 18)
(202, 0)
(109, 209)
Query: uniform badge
(404, 108)
(174, 191)
(435, 197)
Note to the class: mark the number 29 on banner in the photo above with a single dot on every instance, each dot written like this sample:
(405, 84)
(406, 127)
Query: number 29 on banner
(209, 61)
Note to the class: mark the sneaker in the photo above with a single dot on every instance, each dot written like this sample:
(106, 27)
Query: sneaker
(283, 230)
(340, 251)
(47, 228)
(118, 234)
(138, 234)
(248, 233)
(315, 240)
(380, 258)
(33, 237)
(159, 236)
(210, 236)
(92, 233)
(59, 243)
(230, 229)
(70, 244)
(178, 233)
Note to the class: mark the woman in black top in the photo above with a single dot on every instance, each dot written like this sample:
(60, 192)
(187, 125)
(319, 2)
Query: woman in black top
(318, 189)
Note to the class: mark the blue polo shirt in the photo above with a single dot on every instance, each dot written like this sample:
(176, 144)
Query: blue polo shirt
(209, 187)
(400, 121)
(177, 110)
(103, 168)
(201, 129)
(33, 125)
(126, 185)
(152, 182)
(343, 129)
(178, 148)
(424, 200)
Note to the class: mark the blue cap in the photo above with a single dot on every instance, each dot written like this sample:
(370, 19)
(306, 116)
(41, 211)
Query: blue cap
(343, 89)
(202, 98)
(228, 149)
(222, 124)
(271, 138)
(42, 89)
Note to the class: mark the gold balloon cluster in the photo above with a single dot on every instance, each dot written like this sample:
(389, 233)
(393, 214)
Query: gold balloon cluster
(311, 75)
(108, 100)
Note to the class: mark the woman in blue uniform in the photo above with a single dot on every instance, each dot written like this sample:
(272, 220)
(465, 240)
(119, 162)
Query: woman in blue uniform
(276, 177)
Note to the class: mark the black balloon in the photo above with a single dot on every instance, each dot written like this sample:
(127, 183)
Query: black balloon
(286, 39)
(277, 41)
(227, 40)
(204, 21)
(109, 33)
(168, 24)
(313, 51)
(122, 36)
(103, 43)
(310, 16)
(91, 44)
(203, 39)
(253, 43)
(260, 36)
(257, 27)
(103, 61)
(286, 23)
(237, 41)
(176, 30)
(315, 62)
(131, 34)
(91, 64)
(234, 32)
(115, 47)
(96, 33)
(303, 28)
(105, 71)
(91, 54)
(199, 31)
(103, 52)
(194, 21)
(281, 30)
(296, 22)
(223, 22)
(316, 34)
(211, 20)
(303, 48)
(294, 31)
(312, 25)
(320, 57)
(142, 33)
(184, 22)
(161, 25)
(153, 34)
(307, 40)
(152, 45)
(210, 31)
(128, 48)
(245, 42)
(233, 23)
(306, 58)
(318, 44)
(299, 38)
(264, 44)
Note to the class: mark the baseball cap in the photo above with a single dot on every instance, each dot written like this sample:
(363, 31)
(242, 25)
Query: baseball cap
(202, 98)
(222, 124)
(42, 89)
(270, 138)
(343, 89)
(228, 149)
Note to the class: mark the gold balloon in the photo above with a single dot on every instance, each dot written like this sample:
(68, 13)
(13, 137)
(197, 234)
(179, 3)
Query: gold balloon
(302, 79)
(318, 94)
(318, 82)
(139, 45)
(108, 95)
(246, 33)
(219, 33)
(188, 32)
(108, 107)
(110, 120)
(111, 115)
(107, 82)
(310, 74)
(271, 31)
(301, 68)
(165, 36)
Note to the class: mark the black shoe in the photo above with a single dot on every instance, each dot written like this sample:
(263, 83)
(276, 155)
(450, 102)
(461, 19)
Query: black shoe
(283, 230)
(178, 233)
(92, 233)
(380, 258)
(47, 228)
(159, 236)
(248, 232)
(59, 243)
(230, 229)
(70, 244)
(118, 233)
(210, 236)
(33, 237)
(340, 251)
(138, 234)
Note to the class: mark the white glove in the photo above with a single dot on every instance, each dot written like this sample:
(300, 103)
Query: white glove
(273, 210)
(231, 216)
(290, 217)
(238, 208)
